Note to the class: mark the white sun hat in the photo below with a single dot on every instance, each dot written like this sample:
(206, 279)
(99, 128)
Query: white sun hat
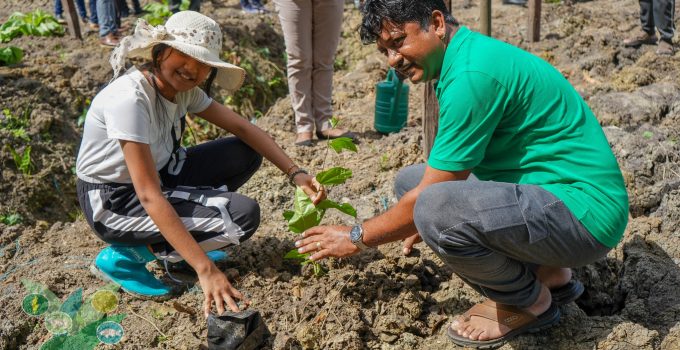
(187, 31)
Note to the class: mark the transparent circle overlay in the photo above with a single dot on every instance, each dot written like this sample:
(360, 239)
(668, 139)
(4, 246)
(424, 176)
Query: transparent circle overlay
(104, 301)
(35, 304)
(58, 322)
(110, 332)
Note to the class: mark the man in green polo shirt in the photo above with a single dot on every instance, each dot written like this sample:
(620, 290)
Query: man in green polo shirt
(546, 195)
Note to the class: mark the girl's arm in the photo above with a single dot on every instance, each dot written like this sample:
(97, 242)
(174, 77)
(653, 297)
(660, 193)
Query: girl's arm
(148, 188)
(263, 144)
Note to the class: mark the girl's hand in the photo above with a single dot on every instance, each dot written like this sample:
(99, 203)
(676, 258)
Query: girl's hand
(311, 186)
(216, 287)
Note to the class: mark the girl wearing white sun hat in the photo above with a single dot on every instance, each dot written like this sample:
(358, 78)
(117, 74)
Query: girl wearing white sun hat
(147, 196)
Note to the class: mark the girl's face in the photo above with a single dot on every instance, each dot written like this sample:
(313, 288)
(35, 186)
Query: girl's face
(179, 72)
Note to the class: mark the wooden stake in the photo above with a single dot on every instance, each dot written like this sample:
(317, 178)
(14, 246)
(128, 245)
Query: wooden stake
(534, 20)
(485, 17)
(431, 112)
(72, 19)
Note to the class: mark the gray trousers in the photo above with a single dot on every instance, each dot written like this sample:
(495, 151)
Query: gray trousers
(493, 234)
(659, 14)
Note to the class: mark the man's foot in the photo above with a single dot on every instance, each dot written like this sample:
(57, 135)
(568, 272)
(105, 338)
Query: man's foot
(639, 39)
(484, 324)
(60, 19)
(109, 40)
(251, 10)
(93, 26)
(330, 134)
(304, 138)
(665, 48)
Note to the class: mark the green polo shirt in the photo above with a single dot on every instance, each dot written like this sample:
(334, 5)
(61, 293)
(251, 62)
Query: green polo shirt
(509, 116)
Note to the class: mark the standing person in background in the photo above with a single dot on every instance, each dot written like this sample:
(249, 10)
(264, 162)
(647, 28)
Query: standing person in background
(124, 9)
(311, 30)
(59, 10)
(253, 7)
(194, 5)
(108, 26)
(657, 14)
(94, 21)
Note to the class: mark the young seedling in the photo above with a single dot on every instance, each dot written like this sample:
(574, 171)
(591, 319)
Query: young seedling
(305, 215)
(22, 161)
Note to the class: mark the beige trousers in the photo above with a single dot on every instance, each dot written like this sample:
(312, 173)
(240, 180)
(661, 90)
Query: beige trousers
(311, 30)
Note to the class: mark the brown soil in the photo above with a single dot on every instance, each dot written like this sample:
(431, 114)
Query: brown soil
(380, 299)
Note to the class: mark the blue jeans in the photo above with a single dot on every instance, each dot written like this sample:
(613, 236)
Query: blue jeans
(80, 6)
(106, 13)
(493, 234)
(194, 5)
(93, 11)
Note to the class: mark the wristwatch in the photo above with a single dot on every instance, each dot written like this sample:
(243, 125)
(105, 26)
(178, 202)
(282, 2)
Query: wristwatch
(356, 235)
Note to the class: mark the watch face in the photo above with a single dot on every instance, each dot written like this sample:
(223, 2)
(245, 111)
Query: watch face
(355, 233)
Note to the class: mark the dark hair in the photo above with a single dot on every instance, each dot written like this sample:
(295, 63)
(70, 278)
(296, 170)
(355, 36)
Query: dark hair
(398, 12)
(156, 52)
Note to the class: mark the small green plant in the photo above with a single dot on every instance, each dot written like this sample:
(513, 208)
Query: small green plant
(265, 81)
(306, 215)
(384, 161)
(81, 118)
(158, 12)
(11, 219)
(648, 134)
(37, 23)
(10, 55)
(22, 160)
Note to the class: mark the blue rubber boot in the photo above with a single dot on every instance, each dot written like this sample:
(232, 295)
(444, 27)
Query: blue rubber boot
(216, 256)
(126, 267)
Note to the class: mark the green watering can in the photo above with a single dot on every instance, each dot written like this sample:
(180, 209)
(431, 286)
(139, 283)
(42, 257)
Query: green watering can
(391, 104)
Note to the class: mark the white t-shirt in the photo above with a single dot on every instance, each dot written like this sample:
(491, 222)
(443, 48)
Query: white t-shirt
(127, 110)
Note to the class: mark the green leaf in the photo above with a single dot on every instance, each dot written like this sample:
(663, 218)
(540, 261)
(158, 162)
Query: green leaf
(294, 254)
(647, 134)
(342, 143)
(288, 214)
(334, 176)
(344, 207)
(10, 55)
(305, 214)
(334, 122)
(73, 303)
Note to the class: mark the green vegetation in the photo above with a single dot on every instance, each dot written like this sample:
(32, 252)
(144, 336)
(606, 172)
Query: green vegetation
(158, 12)
(22, 160)
(305, 215)
(11, 219)
(37, 23)
(10, 55)
(264, 83)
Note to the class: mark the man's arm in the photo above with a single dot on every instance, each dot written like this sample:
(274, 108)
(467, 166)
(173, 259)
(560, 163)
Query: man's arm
(393, 225)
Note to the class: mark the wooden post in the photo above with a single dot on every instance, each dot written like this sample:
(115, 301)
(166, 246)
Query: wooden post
(72, 19)
(485, 17)
(534, 20)
(430, 112)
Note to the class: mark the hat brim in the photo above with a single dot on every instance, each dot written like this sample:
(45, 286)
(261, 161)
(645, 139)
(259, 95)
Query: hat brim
(229, 76)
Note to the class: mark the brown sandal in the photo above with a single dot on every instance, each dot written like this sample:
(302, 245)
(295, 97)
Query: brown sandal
(518, 320)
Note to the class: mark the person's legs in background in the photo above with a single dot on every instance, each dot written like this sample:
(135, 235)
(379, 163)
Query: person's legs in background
(664, 13)
(296, 22)
(327, 25)
(106, 14)
(646, 35)
(59, 12)
(94, 21)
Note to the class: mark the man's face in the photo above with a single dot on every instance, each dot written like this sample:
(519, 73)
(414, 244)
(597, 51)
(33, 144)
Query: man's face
(412, 51)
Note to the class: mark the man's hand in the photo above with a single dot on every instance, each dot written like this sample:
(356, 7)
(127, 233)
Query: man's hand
(410, 241)
(326, 241)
